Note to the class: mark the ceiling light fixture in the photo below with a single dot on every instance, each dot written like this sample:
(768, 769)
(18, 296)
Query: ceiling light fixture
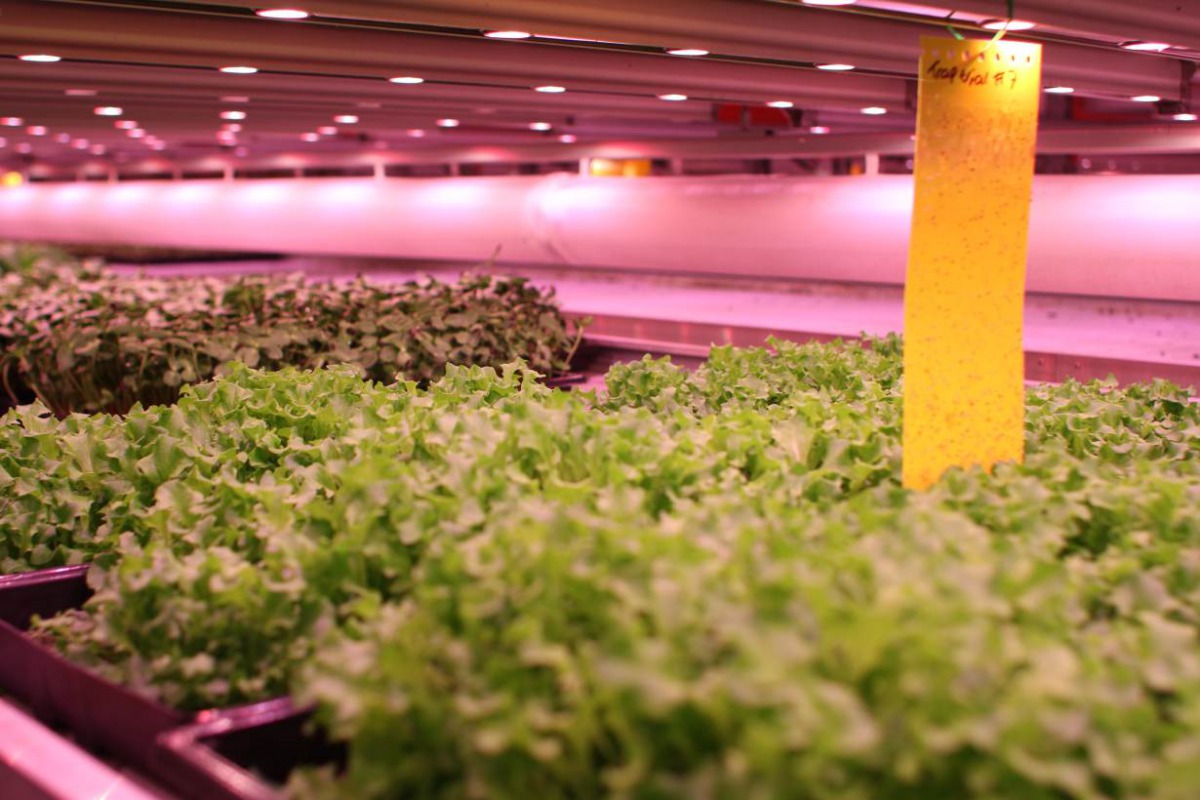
(448, 123)
(550, 89)
(346, 119)
(125, 124)
(108, 111)
(80, 144)
(836, 67)
(41, 58)
(1184, 116)
(508, 34)
(567, 138)
(828, 2)
(136, 133)
(415, 133)
(310, 137)
(540, 126)
(282, 13)
(1060, 90)
(327, 130)
(98, 150)
(673, 98)
(62, 138)
(239, 70)
(1146, 47)
(11, 122)
(1010, 25)
(1145, 98)
(233, 115)
(818, 130)
(232, 127)
(409, 80)
(80, 92)
(781, 104)
(874, 111)
(24, 148)
(36, 130)
(687, 52)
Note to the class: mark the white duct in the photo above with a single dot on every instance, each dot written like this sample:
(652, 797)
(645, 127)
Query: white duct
(1120, 236)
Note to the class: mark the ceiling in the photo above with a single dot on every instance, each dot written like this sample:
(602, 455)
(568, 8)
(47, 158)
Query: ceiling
(159, 62)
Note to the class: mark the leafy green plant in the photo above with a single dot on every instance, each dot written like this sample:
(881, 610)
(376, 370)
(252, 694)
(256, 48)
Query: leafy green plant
(700, 585)
(86, 340)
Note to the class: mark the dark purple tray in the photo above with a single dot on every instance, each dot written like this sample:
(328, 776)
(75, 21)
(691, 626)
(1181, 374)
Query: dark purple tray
(243, 753)
(100, 715)
(565, 381)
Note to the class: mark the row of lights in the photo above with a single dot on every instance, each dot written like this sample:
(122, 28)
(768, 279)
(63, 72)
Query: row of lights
(293, 14)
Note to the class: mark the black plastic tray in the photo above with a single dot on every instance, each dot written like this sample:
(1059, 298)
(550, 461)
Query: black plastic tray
(244, 753)
(99, 714)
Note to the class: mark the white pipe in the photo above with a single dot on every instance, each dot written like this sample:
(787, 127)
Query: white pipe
(1120, 236)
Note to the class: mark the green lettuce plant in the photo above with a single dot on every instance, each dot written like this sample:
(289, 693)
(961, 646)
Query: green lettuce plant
(694, 585)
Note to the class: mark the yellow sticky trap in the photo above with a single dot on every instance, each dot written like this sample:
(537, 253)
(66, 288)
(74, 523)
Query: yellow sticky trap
(964, 397)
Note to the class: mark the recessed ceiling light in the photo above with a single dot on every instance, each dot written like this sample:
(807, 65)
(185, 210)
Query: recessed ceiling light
(1007, 25)
(108, 111)
(327, 130)
(673, 98)
(687, 52)
(136, 133)
(80, 144)
(233, 115)
(415, 133)
(874, 111)
(1060, 90)
(232, 127)
(125, 124)
(567, 138)
(828, 2)
(239, 70)
(410, 80)
(781, 104)
(818, 130)
(540, 126)
(41, 58)
(1145, 98)
(36, 130)
(1185, 116)
(62, 138)
(448, 123)
(310, 137)
(282, 13)
(3, 142)
(836, 67)
(1146, 47)
(11, 122)
(80, 92)
(98, 150)
(550, 89)
(345, 119)
(507, 34)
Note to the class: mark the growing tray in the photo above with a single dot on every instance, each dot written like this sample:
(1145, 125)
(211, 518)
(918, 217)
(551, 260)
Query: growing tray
(100, 715)
(244, 753)
(566, 381)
